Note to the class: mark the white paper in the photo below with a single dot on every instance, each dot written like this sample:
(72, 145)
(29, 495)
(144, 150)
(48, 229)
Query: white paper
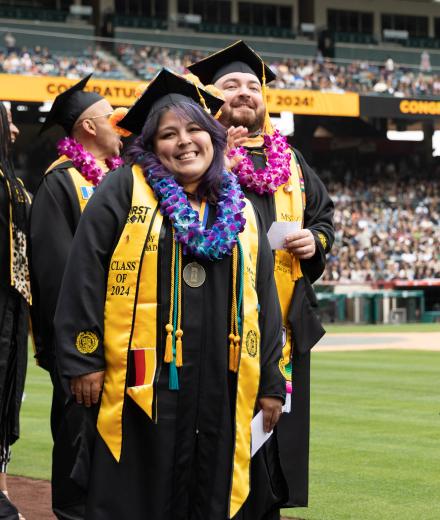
(259, 436)
(278, 232)
(288, 404)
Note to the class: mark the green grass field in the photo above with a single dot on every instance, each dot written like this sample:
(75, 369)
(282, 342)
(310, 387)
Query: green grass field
(397, 329)
(375, 435)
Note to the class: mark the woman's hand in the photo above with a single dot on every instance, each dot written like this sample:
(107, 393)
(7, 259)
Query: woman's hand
(87, 388)
(272, 408)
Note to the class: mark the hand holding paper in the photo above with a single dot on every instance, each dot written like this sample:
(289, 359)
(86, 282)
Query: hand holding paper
(301, 244)
(279, 230)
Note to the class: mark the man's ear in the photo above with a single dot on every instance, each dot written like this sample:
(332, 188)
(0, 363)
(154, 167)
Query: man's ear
(89, 126)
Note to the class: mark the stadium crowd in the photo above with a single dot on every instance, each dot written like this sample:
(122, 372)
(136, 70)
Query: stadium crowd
(40, 61)
(387, 225)
(317, 74)
(144, 61)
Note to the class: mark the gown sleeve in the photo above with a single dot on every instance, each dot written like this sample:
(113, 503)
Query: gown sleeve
(83, 291)
(318, 217)
(54, 216)
(272, 383)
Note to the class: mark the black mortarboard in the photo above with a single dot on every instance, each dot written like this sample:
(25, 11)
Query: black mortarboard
(68, 106)
(167, 89)
(238, 57)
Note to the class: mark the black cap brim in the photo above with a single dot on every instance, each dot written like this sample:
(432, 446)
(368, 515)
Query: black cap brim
(69, 105)
(166, 89)
(238, 57)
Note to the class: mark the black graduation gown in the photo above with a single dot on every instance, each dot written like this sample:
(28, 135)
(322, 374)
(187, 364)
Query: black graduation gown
(293, 429)
(180, 467)
(55, 214)
(13, 334)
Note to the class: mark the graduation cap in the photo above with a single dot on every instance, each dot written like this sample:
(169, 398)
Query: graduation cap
(68, 106)
(238, 57)
(167, 89)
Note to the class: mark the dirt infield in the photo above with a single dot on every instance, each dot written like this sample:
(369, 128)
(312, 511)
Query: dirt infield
(33, 497)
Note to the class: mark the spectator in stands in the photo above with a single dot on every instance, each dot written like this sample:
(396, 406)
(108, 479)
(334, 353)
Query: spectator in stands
(386, 229)
(15, 297)
(425, 62)
(10, 41)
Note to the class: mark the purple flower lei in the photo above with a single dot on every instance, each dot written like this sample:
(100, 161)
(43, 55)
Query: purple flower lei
(84, 161)
(210, 244)
(277, 171)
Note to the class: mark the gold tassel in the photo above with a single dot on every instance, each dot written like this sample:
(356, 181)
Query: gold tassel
(236, 352)
(179, 353)
(168, 358)
(231, 353)
(267, 127)
(169, 344)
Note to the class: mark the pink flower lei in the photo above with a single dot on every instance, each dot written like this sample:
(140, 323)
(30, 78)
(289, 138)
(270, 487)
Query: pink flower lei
(276, 172)
(84, 161)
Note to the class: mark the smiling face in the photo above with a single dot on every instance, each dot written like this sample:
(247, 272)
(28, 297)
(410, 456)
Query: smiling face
(184, 148)
(244, 104)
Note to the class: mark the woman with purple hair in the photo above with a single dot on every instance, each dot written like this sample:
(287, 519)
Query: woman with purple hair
(162, 326)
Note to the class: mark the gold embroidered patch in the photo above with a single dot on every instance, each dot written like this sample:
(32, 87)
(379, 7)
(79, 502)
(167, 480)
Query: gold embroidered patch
(87, 342)
(251, 343)
(323, 240)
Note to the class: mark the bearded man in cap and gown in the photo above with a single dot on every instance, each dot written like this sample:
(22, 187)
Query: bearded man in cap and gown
(90, 149)
(282, 186)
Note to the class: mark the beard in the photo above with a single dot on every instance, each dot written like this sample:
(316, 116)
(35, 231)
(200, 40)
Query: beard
(252, 120)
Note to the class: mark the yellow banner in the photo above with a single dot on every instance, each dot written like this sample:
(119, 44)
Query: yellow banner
(14, 87)
(312, 102)
(122, 93)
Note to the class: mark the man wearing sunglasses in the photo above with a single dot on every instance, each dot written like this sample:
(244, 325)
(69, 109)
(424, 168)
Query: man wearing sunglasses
(90, 149)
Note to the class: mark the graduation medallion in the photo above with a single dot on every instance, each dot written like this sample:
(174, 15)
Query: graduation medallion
(194, 274)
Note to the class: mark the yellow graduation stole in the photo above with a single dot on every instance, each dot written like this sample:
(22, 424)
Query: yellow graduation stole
(84, 188)
(130, 327)
(289, 207)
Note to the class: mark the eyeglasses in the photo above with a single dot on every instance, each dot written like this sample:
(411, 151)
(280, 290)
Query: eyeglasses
(107, 115)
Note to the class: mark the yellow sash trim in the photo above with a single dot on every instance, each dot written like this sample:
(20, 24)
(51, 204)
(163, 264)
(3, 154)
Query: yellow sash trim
(120, 305)
(249, 367)
(78, 180)
(287, 269)
(145, 323)
(61, 159)
(289, 207)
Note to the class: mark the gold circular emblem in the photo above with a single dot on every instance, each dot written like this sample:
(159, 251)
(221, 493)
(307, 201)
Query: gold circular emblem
(251, 343)
(194, 274)
(87, 342)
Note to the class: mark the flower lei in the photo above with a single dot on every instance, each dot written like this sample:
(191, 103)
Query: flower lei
(210, 244)
(277, 171)
(84, 161)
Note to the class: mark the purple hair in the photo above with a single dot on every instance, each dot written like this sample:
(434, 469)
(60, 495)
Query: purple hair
(141, 151)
